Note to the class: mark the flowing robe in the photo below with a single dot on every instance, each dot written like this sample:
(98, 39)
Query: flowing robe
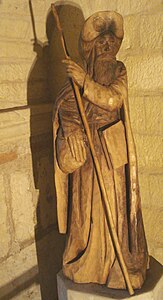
(89, 255)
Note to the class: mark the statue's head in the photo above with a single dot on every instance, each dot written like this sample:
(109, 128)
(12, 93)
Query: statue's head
(107, 44)
(101, 35)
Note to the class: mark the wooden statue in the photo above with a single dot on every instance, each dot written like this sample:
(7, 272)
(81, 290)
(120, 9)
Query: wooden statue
(91, 252)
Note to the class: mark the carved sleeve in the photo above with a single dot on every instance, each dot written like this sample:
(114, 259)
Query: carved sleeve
(109, 98)
(69, 118)
(70, 124)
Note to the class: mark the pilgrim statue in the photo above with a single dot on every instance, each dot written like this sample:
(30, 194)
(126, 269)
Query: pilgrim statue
(90, 256)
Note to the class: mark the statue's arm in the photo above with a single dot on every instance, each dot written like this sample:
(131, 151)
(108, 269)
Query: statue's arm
(69, 118)
(110, 97)
(71, 152)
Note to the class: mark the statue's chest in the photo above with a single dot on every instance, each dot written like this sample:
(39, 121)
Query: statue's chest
(99, 116)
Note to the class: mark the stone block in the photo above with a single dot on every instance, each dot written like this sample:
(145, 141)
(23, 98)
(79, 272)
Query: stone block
(89, 7)
(7, 156)
(14, 134)
(19, 275)
(158, 254)
(22, 207)
(143, 6)
(14, 72)
(46, 213)
(21, 93)
(153, 115)
(14, 29)
(20, 9)
(151, 290)
(37, 92)
(39, 6)
(149, 150)
(22, 72)
(99, 5)
(4, 225)
(139, 140)
(19, 50)
(145, 71)
(124, 7)
(137, 114)
(32, 121)
(40, 30)
(13, 94)
(151, 31)
(131, 33)
(153, 223)
(144, 189)
(32, 292)
(153, 151)
(156, 190)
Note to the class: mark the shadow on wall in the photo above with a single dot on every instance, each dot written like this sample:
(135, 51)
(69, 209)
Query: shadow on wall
(46, 77)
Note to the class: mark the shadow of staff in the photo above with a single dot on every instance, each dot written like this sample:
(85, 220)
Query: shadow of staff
(47, 76)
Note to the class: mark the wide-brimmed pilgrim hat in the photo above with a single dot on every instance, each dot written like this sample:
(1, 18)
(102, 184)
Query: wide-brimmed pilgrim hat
(96, 25)
(100, 23)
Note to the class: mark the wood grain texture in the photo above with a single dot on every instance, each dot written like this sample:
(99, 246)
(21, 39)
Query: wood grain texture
(90, 254)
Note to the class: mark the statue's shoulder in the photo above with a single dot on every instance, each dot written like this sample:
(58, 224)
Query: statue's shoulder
(121, 70)
(121, 65)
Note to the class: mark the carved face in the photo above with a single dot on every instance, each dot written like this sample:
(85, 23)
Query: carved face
(107, 44)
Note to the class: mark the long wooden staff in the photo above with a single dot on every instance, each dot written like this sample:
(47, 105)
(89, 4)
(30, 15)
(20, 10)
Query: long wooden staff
(97, 165)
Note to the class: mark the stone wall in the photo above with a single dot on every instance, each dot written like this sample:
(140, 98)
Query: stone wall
(30, 76)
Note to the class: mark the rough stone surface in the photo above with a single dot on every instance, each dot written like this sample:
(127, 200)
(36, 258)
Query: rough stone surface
(21, 8)
(6, 157)
(26, 122)
(152, 24)
(19, 276)
(4, 226)
(124, 7)
(19, 29)
(153, 115)
(149, 150)
(37, 93)
(137, 114)
(27, 193)
(149, 68)
(22, 208)
(131, 32)
(18, 72)
(153, 225)
(145, 6)
(156, 191)
(12, 50)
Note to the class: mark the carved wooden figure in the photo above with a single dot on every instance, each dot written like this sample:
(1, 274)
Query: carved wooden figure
(90, 254)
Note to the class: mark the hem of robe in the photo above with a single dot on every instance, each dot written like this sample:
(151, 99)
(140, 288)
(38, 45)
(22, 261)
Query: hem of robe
(137, 281)
(115, 278)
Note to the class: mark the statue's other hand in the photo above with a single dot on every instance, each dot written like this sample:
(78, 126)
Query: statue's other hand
(75, 72)
(77, 147)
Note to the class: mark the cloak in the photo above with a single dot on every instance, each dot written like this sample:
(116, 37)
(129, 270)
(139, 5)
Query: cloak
(116, 93)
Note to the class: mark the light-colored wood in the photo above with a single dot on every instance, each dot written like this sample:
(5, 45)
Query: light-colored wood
(97, 92)
(114, 143)
(98, 170)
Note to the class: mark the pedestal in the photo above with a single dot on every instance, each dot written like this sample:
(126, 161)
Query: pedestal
(151, 290)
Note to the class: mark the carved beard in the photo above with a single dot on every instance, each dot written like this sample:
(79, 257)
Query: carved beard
(104, 70)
